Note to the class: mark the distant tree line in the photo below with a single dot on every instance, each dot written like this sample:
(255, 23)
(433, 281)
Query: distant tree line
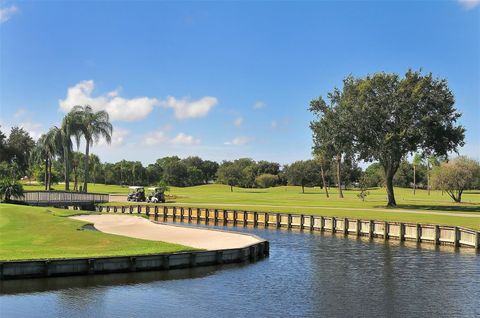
(21, 156)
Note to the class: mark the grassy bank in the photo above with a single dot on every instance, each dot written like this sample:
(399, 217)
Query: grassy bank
(419, 208)
(45, 233)
(436, 208)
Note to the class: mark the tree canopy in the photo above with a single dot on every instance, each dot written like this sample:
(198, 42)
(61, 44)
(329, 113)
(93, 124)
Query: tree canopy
(394, 116)
(456, 176)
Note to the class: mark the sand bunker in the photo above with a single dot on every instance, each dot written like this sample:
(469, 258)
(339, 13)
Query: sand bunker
(142, 228)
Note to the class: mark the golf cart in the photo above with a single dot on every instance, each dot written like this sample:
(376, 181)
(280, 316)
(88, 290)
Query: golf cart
(156, 196)
(137, 194)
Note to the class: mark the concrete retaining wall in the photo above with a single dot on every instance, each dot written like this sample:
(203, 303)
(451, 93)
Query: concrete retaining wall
(425, 233)
(103, 265)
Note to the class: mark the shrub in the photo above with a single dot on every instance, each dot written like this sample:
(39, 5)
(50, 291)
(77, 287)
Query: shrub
(10, 188)
(456, 176)
(266, 180)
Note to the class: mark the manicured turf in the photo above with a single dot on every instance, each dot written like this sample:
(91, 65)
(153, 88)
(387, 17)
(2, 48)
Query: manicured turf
(313, 201)
(98, 188)
(45, 233)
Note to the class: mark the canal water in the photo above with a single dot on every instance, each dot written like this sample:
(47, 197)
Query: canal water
(306, 275)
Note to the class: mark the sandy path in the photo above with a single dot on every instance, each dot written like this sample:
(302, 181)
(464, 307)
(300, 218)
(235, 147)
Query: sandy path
(142, 228)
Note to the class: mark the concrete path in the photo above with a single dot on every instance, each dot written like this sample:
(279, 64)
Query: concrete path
(142, 228)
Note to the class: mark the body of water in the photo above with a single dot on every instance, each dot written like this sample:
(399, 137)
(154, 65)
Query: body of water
(306, 275)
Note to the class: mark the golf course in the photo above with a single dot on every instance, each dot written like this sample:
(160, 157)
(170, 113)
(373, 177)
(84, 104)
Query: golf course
(47, 233)
(436, 208)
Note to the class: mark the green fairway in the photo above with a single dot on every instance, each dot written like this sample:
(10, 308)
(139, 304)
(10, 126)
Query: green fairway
(45, 233)
(421, 208)
(436, 208)
(97, 188)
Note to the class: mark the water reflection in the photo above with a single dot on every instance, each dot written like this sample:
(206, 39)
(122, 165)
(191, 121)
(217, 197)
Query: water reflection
(306, 275)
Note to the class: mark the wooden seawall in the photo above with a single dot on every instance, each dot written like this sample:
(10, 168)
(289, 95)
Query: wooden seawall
(422, 233)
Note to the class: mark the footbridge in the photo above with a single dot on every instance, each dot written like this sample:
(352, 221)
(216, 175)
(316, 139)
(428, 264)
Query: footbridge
(63, 198)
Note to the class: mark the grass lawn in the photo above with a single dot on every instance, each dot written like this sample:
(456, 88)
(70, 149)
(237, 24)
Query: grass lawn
(98, 188)
(313, 201)
(45, 233)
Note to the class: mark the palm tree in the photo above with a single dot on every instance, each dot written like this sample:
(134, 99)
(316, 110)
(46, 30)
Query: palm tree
(47, 147)
(41, 155)
(95, 163)
(77, 157)
(92, 126)
(63, 138)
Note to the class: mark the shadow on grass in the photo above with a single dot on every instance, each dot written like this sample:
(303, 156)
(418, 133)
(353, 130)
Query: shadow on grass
(453, 208)
(250, 191)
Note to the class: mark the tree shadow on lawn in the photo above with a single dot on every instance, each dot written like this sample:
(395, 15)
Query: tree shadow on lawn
(460, 207)
(251, 191)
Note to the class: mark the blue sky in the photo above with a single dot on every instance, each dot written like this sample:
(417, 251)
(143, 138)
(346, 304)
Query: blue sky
(222, 80)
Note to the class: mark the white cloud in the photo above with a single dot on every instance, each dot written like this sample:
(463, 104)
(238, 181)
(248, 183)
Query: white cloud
(237, 141)
(155, 138)
(120, 108)
(238, 122)
(469, 4)
(184, 139)
(118, 137)
(7, 13)
(185, 108)
(161, 136)
(34, 129)
(259, 104)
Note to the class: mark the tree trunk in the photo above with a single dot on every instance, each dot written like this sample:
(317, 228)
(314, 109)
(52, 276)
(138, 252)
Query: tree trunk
(66, 168)
(75, 178)
(49, 174)
(323, 180)
(87, 153)
(303, 188)
(339, 178)
(414, 180)
(428, 178)
(46, 174)
(231, 188)
(389, 173)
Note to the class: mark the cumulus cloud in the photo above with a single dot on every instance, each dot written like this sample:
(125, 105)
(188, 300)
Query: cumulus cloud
(155, 138)
(118, 108)
(138, 108)
(238, 141)
(7, 13)
(184, 139)
(238, 122)
(118, 137)
(259, 104)
(161, 136)
(185, 108)
(469, 4)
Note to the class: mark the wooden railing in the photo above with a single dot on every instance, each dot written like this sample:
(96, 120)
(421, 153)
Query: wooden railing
(63, 198)
(427, 233)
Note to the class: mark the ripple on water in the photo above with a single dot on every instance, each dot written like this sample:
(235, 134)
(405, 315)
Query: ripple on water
(306, 275)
